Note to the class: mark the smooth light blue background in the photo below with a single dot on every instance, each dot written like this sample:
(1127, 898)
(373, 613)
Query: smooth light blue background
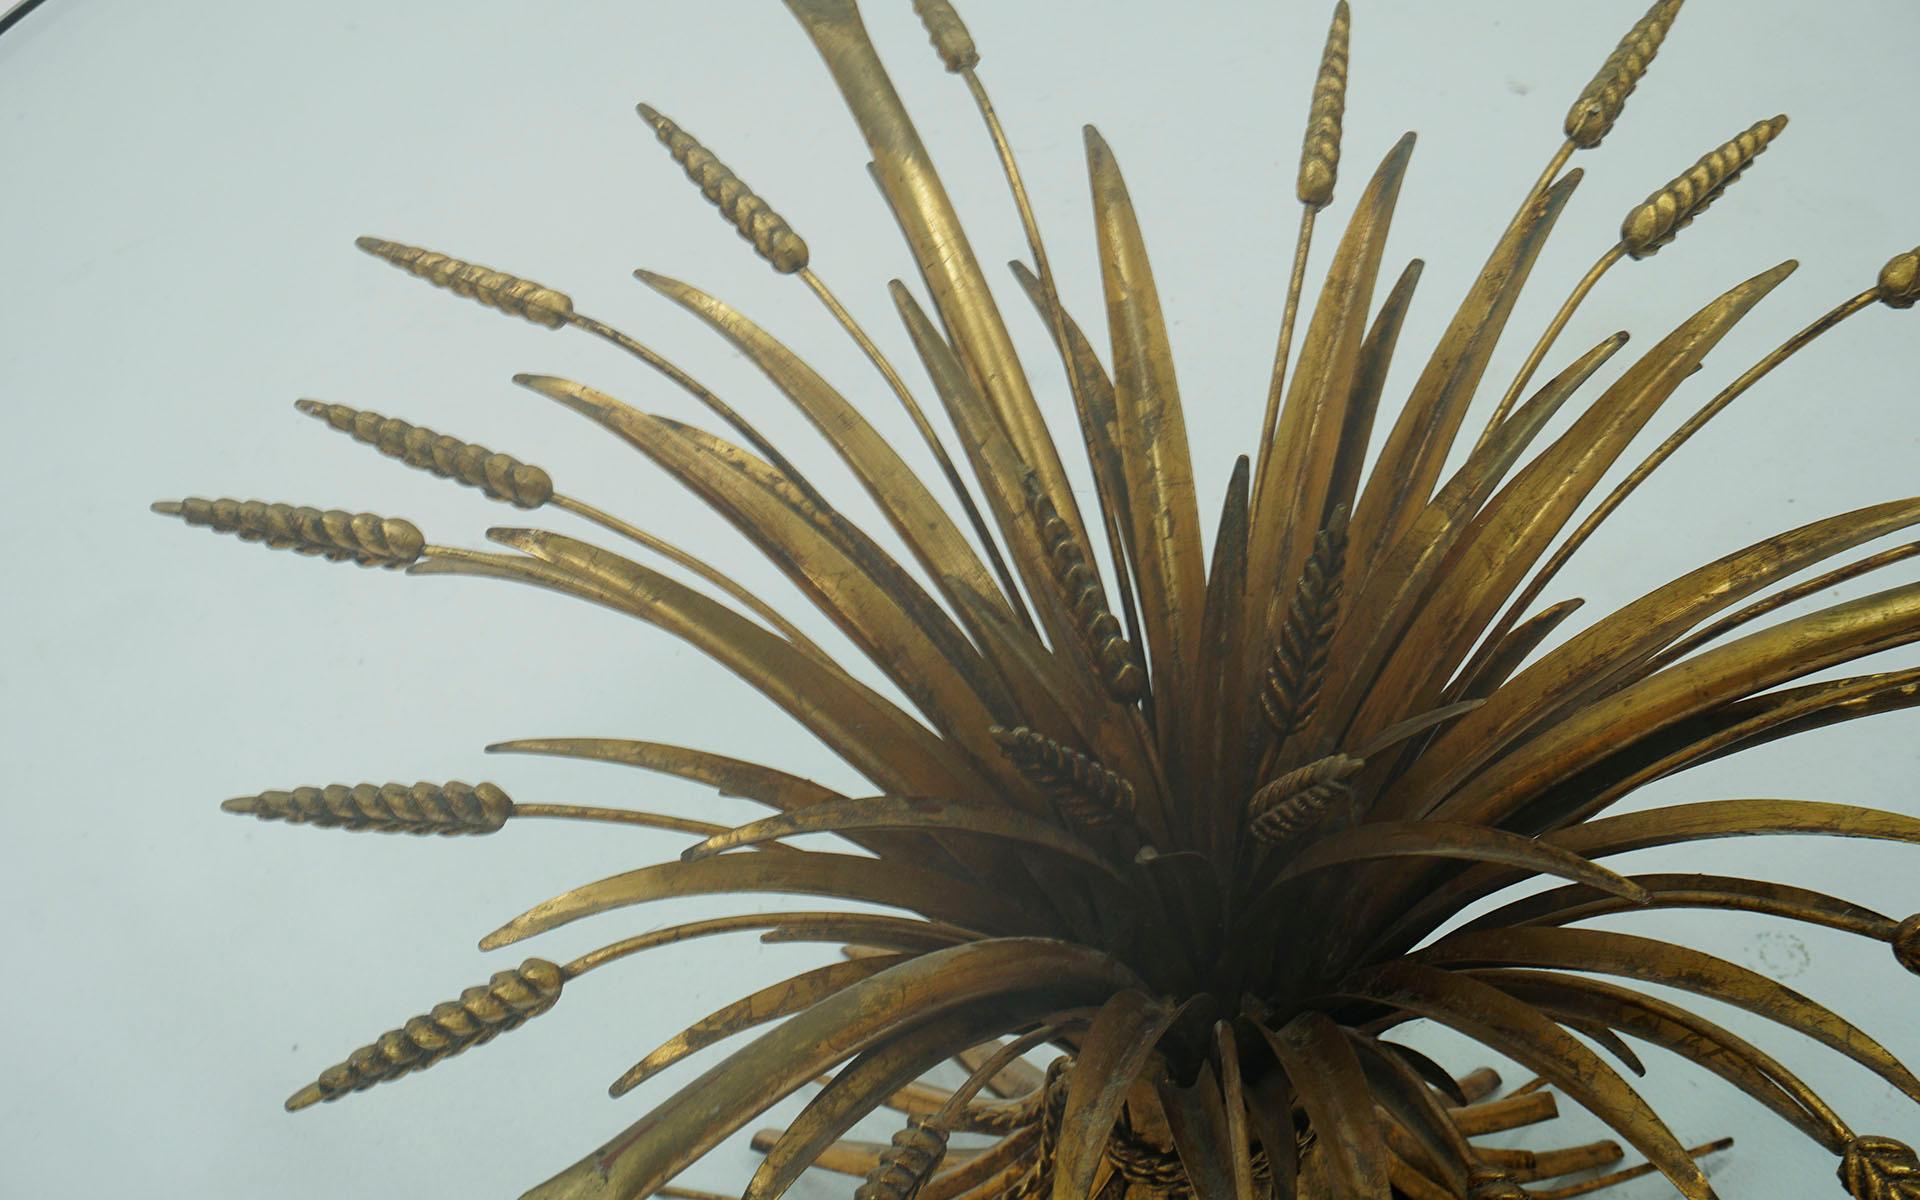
(182, 185)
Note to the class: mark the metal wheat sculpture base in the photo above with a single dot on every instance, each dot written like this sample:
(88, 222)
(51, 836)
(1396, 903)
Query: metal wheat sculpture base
(1195, 823)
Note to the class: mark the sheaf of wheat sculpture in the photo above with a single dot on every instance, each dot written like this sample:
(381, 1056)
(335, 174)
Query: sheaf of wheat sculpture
(1202, 822)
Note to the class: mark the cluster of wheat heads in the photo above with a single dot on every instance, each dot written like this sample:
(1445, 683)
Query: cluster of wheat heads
(1194, 823)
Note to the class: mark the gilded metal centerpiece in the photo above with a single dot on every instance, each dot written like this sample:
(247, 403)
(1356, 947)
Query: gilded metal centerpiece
(1203, 823)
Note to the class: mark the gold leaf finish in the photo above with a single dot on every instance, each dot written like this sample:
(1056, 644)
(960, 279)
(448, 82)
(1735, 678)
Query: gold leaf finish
(500, 476)
(1299, 659)
(449, 808)
(773, 239)
(1087, 793)
(904, 1167)
(1592, 116)
(1664, 214)
(1297, 801)
(481, 1014)
(1906, 943)
(1320, 156)
(1899, 282)
(1880, 1168)
(337, 536)
(1119, 666)
(1203, 820)
(951, 42)
(496, 289)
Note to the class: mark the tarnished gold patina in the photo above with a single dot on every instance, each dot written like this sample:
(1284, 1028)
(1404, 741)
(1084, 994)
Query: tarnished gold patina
(1204, 823)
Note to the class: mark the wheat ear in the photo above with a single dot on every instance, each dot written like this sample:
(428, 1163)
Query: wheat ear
(508, 1000)
(1086, 792)
(422, 808)
(337, 536)
(509, 294)
(1299, 800)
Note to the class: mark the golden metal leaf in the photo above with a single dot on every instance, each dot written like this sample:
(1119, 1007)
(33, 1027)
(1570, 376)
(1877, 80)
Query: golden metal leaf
(1660, 962)
(1154, 452)
(1326, 1074)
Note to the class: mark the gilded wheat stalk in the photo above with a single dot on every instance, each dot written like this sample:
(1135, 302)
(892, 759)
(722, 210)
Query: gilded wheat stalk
(959, 55)
(1600, 103)
(1647, 227)
(481, 1014)
(496, 289)
(1298, 665)
(1320, 149)
(499, 476)
(773, 239)
(428, 808)
(1679, 437)
(504, 477)
(1319, 169)
(542, 305)
(337, 536)
(1086, 792)
(1113, 655)
(1658, 219)
(1294, 803)
(776, 242)
(420, 808)
(1588, 122)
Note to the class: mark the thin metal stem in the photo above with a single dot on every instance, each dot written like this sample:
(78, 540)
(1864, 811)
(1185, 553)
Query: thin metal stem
(1547, 338)
(1554, 166)
(964, 1094)
(1600, 1182)
(927, 435)
(1276, 386)
(1781, 599)
(698, 391)
(1666, 449)
(618, 816)
(1057, 316)
(680, 557)
(675, 933)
